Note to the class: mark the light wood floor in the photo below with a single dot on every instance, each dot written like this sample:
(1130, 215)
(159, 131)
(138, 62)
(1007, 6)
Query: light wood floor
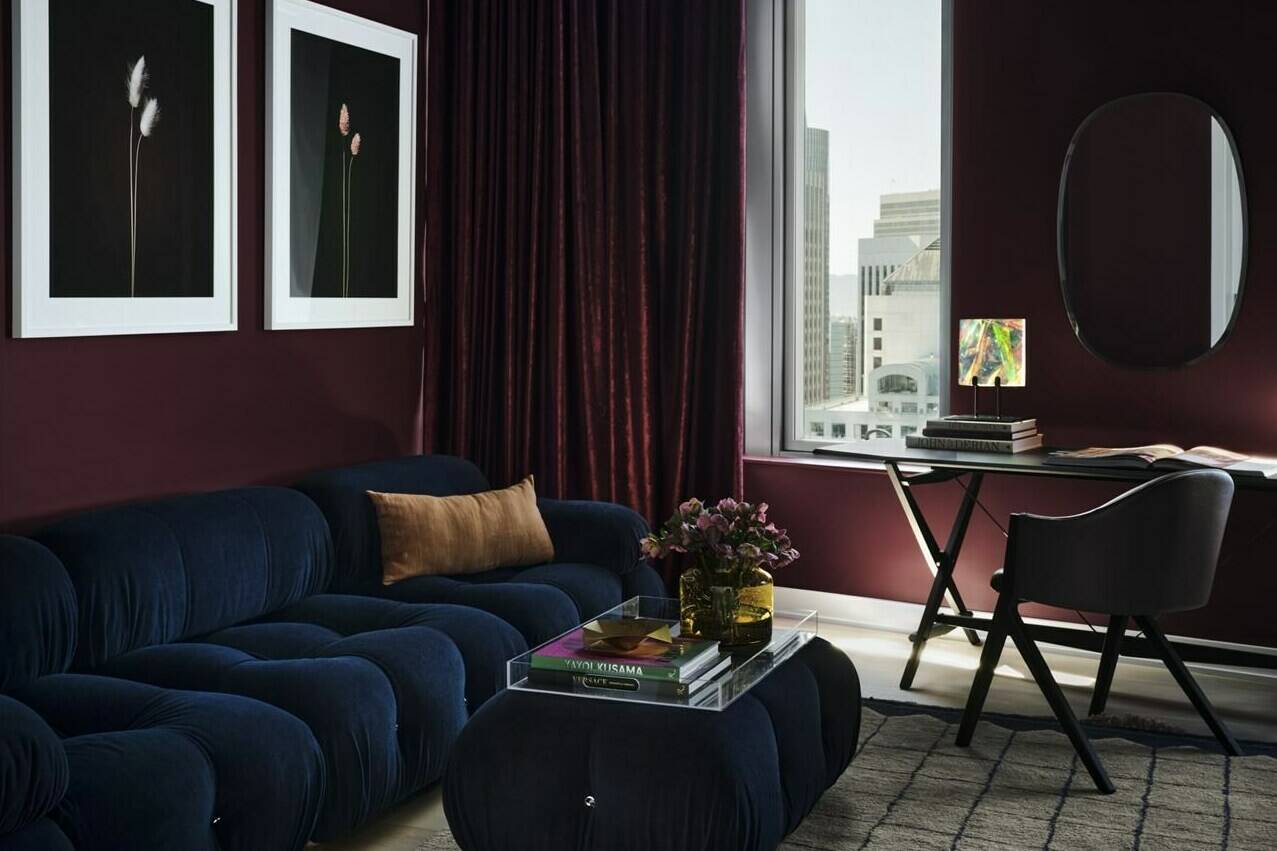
(1247, 703)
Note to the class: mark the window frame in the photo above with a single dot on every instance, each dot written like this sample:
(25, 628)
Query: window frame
(786, 59)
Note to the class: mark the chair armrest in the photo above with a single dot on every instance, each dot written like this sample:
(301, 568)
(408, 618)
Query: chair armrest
(600, 533)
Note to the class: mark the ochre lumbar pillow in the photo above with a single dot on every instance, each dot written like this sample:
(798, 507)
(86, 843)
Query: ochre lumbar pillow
(434, 535)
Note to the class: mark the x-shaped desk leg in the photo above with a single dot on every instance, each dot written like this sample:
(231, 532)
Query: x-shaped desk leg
(940, 562)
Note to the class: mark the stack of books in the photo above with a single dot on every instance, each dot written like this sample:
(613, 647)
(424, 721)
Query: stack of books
(978, 434)
(676, 670)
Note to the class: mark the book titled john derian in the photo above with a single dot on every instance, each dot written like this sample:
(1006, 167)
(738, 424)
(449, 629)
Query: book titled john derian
(680, 661)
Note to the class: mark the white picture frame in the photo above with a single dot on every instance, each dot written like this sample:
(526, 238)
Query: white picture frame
(36, 311)
(289, 304)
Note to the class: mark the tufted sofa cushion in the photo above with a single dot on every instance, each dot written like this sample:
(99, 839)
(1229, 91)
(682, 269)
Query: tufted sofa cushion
(739, 780)
(37, 613)
(40, 835)
(596, 565)
(33, 767)
(156, 768)
(157, 572)
(220, 592)
(141, 767)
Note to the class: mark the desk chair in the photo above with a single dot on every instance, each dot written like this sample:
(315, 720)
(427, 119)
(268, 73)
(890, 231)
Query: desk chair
(1149, 551)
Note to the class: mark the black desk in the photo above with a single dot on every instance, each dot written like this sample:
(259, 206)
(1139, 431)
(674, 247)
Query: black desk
(947, 466)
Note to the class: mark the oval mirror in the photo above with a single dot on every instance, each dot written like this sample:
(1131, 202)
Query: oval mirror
(1152, 230)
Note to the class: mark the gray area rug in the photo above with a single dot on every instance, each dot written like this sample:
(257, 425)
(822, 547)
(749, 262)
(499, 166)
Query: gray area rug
(910, 788)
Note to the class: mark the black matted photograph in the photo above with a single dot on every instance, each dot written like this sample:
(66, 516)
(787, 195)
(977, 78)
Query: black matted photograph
(126, 120)
(342, 149)
(344, 169)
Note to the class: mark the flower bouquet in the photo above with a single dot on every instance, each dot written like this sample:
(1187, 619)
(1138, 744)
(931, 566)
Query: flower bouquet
(727, 594)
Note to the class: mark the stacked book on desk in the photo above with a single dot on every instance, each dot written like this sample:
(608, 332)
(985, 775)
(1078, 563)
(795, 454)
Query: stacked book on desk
(675, 670)
(978, 434)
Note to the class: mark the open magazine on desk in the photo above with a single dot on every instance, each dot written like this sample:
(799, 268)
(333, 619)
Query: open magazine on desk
(1166, 456)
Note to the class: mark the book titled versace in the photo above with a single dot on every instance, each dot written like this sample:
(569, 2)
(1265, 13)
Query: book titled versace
(679, 661)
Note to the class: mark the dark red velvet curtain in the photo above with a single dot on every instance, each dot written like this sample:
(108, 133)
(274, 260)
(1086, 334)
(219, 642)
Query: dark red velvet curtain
(584, 259)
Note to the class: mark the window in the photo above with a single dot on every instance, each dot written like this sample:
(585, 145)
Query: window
(864, 152)
(897, 384)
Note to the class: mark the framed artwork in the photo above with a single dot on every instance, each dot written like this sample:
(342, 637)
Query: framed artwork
(341, 150)
(989, 349)
(124, 167)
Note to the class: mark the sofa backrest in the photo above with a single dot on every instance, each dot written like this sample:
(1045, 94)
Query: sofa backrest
(156, 572)
(342, 494)
(37, 613)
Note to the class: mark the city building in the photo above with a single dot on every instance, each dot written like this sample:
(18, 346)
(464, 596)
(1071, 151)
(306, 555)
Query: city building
(907, 223)
(902, 320)
(844, 357)
(815, 266)
(898, 370)
(900, 398)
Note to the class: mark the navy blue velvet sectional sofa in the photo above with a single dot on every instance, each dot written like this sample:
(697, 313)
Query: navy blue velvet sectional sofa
(242, 680)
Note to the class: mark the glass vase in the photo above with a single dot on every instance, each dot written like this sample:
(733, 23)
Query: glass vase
(730, 602)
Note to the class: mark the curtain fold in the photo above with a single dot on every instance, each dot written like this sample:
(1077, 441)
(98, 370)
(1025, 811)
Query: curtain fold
(584, 252)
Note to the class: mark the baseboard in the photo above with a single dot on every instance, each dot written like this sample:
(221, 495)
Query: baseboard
(900, 617)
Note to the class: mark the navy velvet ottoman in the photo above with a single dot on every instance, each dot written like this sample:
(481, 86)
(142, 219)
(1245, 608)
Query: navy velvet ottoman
(554, 773)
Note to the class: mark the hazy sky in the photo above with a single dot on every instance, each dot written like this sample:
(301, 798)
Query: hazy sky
(873, 81)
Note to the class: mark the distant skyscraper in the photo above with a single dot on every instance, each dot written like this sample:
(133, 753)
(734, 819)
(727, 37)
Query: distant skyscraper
(815, 265)
(907, 223)
(844, 356)
(902, 322)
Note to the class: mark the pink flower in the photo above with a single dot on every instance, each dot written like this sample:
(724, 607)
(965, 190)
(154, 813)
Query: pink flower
(727, 504)
(343, 120)
(354, 145)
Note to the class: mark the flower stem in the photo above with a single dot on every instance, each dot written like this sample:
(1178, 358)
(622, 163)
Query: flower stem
(343, 221)
(350, 170)
(137, 158)
(132, 208)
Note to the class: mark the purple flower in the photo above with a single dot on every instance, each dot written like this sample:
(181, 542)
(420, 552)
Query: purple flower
(726, 531)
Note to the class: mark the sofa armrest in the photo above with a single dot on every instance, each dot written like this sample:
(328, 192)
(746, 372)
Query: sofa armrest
(601, 533)
(33, 766)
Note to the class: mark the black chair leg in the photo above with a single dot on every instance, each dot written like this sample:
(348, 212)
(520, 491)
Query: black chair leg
(1108, 663)
(993, 644)
(1059, 704)
(1182, 676)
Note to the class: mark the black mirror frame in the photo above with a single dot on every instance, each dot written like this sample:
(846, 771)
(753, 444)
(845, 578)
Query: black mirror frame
(1061, 237)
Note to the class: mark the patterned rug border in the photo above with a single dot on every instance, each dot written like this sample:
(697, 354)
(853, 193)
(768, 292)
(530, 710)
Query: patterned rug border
(884, 706)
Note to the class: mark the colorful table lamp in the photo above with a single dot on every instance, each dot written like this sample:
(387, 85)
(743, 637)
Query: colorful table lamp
(992, 351)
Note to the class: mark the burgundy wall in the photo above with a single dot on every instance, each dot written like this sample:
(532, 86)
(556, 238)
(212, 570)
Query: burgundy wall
(1025, 75)
(95, 420)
